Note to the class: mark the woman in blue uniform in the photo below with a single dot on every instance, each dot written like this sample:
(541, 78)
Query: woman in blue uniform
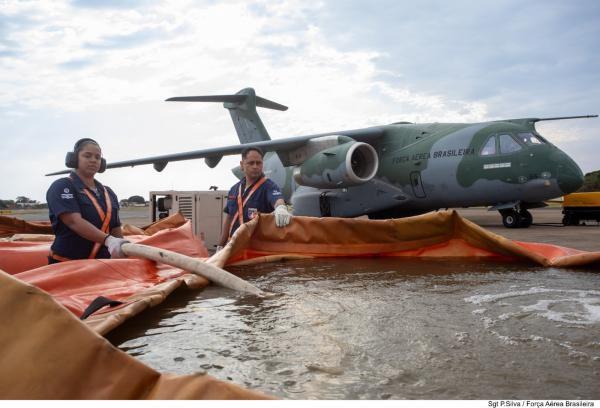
(84, 213)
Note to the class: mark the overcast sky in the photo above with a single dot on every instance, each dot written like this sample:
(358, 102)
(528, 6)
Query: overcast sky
(103, 68)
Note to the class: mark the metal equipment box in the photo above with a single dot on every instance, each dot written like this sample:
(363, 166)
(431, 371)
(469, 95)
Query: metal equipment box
(203, 208)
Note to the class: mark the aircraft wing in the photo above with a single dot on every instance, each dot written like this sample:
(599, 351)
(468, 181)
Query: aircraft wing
(212, 156)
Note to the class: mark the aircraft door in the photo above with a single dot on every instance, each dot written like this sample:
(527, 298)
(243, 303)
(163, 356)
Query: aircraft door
(417, 185)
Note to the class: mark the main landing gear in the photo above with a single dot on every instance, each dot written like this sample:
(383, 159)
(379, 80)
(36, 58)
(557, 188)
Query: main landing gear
(570, 219)
(516, 218)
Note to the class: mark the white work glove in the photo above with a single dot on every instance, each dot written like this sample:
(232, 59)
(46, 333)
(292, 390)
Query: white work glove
(114, 246)
(282, 216)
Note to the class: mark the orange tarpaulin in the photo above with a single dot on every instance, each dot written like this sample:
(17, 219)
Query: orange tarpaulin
(23, 255)
(11, 225)
(76, 284)
(38, 332)
(140, 284)
(47, 353)
(436, 234)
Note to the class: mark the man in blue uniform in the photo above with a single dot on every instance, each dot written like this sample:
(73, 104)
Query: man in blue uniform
(252, 194)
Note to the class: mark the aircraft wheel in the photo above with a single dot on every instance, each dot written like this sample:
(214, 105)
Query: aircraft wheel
(526, 219)
(511, 219)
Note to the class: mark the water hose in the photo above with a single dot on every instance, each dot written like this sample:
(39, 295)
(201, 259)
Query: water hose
(211, 272)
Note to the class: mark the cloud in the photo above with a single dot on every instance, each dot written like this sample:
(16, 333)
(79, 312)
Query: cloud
(127, 40)
(8, 53)
(100, 70)
(113, 4)
(76, 64)
(119, 55)
(476, 50)
(9, 23)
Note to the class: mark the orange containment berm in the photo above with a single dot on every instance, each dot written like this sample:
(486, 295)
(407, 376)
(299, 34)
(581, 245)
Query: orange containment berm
(41, 304)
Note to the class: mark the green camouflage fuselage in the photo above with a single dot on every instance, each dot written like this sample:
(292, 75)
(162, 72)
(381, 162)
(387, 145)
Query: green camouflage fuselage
(424, 167)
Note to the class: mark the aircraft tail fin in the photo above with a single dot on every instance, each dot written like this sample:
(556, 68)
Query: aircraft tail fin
(242, 108)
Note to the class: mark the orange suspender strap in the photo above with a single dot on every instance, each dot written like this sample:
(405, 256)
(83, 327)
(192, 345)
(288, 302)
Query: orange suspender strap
(105, 223)
(104, 217)
(58, 257)
(240, 210)
(240, 213)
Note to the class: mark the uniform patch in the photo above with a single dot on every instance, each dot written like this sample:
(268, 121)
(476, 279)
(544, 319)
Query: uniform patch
(66, 196)
(66, 190)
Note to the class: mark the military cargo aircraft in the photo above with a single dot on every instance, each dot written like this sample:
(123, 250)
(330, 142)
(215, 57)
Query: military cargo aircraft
(399, 169)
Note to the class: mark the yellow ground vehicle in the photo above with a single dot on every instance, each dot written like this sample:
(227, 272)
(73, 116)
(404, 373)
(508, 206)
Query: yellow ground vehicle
(581, 207)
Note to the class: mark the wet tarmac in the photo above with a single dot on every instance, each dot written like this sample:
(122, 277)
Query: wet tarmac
(547, 228)
(386, 329)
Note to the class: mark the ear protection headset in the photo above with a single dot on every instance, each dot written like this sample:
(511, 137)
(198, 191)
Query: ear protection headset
(71, 160)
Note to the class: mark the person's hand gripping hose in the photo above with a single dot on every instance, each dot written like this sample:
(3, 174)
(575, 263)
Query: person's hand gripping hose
(114, 246)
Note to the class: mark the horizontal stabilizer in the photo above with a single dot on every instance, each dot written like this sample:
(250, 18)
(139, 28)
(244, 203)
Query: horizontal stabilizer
(209, 98)
(237, 99)
(265, 103)
(242, 108)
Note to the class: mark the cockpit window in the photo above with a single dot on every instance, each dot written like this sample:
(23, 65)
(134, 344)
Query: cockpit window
(508, 144)
(489, 148)
(530, 139)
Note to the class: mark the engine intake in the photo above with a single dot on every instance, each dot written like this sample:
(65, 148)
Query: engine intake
(348, 164)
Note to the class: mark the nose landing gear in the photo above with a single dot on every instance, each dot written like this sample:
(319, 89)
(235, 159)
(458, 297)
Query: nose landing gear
(512, 218)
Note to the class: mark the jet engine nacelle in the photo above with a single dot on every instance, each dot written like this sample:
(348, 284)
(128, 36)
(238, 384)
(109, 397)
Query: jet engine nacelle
(348, 164)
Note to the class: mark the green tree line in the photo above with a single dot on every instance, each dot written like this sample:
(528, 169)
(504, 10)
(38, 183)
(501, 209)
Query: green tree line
(591, 182)
(22, 202)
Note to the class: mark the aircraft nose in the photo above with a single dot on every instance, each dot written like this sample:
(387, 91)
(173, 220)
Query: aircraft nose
(570, 176)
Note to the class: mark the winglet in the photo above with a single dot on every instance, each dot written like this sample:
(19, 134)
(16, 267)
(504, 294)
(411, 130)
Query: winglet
(565, 117)
(533, 121)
